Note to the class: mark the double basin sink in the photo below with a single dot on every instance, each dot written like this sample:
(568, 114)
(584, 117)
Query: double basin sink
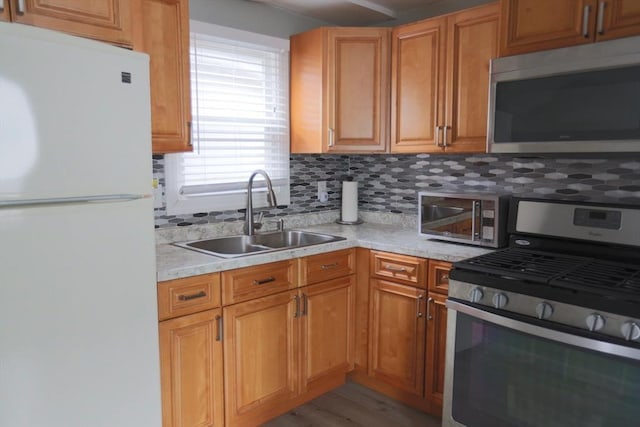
(236, 246)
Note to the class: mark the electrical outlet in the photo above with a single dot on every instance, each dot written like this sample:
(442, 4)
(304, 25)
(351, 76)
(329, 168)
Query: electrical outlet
(323, 196)
(157, 194)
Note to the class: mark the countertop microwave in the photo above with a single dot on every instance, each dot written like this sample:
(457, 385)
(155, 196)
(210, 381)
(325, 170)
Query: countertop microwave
(578, 99)
(473, 218)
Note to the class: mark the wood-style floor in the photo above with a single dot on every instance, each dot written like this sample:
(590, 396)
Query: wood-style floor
(352, 406)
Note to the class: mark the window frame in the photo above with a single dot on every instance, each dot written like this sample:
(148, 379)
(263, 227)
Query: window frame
(178, 203)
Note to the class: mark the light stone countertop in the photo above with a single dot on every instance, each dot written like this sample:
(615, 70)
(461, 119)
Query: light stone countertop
(174, 262)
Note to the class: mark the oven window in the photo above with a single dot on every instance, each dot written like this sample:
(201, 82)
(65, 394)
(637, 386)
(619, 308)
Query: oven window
(505, 378)
(588, 106)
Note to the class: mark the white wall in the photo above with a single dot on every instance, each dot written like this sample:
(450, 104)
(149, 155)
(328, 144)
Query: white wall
(435, 9)
(250, 16)
(257, 18)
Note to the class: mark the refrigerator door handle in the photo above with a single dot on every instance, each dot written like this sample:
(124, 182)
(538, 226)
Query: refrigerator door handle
(72, 200)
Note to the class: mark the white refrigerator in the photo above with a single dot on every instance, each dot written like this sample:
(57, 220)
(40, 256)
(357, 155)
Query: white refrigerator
(78, 309)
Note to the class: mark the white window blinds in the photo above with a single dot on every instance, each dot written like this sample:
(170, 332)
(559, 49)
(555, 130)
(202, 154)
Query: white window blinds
(240, 123)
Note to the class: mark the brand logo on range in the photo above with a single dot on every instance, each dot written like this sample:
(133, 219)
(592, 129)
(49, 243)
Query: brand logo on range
(522, 242)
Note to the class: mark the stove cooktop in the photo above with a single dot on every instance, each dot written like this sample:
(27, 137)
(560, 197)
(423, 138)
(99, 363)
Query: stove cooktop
(579, 280)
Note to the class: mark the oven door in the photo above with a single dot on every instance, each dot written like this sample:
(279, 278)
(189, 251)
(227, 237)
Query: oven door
(508, 372)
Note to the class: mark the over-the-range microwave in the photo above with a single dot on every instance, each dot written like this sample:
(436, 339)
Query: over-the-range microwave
(476, 219)
(578, 99)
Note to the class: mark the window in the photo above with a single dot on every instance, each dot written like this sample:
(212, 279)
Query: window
(239, 102)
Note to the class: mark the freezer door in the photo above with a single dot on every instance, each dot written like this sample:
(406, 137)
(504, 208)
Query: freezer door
(74, 116)
(78, 316)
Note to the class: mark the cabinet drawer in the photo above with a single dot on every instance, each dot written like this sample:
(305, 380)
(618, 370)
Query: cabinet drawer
(189, 295)
(318, 268)
(253, 282)
(439, 276)
(400, 268)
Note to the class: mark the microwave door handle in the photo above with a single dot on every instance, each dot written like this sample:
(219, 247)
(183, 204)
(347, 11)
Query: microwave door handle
(475, 220)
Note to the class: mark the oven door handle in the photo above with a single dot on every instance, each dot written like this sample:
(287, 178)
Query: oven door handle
(600, 346)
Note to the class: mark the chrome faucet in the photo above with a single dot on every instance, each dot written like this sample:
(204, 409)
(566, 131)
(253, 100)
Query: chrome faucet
(249, 226)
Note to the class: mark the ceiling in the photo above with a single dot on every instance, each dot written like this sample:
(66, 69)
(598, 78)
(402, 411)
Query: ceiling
(351, 12)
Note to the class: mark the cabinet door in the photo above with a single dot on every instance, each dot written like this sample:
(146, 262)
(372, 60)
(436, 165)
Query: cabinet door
(439, 276)
(191, 371)
(417, 78)
(397, 336)
(260, 358)
(106, 20)
(472, 39)
(163, 33)
(357, 89)
(4, 10)
(328, 323)
(531, 25)
(617, 18)
(436, 344)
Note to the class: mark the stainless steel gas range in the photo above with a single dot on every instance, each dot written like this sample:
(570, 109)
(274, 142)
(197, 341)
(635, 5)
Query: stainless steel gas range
(546, 333)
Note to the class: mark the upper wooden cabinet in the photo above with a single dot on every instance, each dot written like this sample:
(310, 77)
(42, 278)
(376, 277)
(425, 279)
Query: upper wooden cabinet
(105, 20)
(532, 25)
(340, 90)
(4, 10)
(440, 82)
(162, 31)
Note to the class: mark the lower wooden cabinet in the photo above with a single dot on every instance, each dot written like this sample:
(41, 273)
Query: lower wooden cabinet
(407, 328)
(436, 344)
(327, 331)
(396, 339)
(280, 348)
(261, 357)
(191, 370)
(293, 344)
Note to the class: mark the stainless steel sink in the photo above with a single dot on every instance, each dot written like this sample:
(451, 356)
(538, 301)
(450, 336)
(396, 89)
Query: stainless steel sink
(235, 246)
(293, 239)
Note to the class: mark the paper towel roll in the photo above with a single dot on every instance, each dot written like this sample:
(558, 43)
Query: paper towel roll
(349, 201)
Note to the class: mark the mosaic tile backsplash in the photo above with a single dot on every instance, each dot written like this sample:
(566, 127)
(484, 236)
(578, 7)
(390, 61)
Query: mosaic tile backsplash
(390, 183)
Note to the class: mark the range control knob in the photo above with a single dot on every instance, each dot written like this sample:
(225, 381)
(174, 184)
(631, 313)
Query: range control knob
(595, 322)
(544, 310)
(500, 300)
(476, 295)
(630, 331)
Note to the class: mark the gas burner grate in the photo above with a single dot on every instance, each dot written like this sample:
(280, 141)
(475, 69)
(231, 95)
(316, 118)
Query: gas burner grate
(598, 277)
(604, 277)
(521, 264)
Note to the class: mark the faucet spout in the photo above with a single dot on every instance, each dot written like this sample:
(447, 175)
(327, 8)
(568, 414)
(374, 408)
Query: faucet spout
(249, 226)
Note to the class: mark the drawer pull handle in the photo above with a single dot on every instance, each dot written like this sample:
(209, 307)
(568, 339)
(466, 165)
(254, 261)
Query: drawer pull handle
(305, 305)
(395, 269)
(200, 294)
(328, 266)
(445, 278)
(219, 335)
(297, 300)
(429, 301)
(264, 281)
